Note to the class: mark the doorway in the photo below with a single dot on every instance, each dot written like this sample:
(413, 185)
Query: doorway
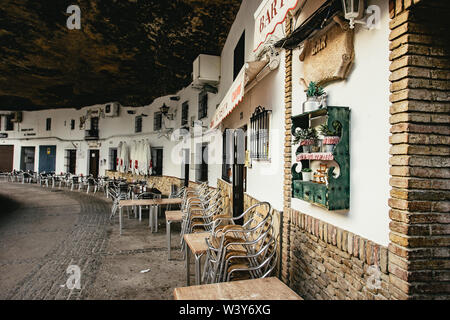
(94, 159)
(71, 161)
(185, 167)
(157, 161)
(237, 144)
(27, 159)
(6, 158)
(47, 158)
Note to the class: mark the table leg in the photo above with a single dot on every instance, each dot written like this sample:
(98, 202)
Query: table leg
(168, 238)
(155, 221)
(188, 261)
(150, 218)
(140, 213)
(120, 220)
(197, 268)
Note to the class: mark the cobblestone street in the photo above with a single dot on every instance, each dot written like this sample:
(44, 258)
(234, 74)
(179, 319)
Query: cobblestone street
(44, 230)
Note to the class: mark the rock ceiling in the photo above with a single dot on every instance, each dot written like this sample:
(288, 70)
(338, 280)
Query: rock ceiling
(128, 51)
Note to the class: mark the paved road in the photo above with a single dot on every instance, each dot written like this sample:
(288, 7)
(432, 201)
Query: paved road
(45, 230)
(42, 232)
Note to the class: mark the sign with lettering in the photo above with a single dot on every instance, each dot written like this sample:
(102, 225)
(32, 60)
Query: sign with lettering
(269, 15)
(231, 99)
(3, 135)
(328, 55)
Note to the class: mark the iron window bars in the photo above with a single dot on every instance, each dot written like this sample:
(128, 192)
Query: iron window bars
(157, 122)
(259, 134)
(138, 124)
(185, 115)
(202, 105)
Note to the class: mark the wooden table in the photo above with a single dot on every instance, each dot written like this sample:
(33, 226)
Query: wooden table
(153, 217)
(256, 289)
(195, 243)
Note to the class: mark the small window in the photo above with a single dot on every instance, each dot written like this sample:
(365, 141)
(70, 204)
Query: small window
(259, 134)
(9, 123)
(157, 122)
(138, 124)
(72, 124)
(48, 124)
(184, 114)
(202, 105)
(239, 56)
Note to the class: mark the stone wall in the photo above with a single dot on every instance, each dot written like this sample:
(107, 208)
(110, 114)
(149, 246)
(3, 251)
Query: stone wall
(420, 220)
(327, 262)
(162, 183)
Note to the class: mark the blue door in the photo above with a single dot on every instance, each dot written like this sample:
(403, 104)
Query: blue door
(47, 158)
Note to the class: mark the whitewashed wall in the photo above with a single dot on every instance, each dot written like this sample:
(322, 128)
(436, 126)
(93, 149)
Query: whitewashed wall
(366, 92)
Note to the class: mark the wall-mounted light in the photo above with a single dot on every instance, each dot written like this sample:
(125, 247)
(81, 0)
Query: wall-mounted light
(165, 112)
(354, 10)
(144, 115)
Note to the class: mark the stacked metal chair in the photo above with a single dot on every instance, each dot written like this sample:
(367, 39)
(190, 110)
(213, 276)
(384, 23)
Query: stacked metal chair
(237, 252)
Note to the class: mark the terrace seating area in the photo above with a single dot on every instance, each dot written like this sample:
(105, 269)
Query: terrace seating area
(226, 248)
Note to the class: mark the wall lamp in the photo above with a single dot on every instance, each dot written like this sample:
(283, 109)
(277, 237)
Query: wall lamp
(354, 10)
(165, 112)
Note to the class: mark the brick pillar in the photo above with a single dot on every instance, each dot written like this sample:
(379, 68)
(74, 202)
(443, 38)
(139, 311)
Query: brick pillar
(286, 249)
(419, 263)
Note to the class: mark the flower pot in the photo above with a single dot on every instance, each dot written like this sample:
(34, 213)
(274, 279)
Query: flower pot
(307, 149)
(311, 104)
(328, 147)
(306, 176)
(306, 144)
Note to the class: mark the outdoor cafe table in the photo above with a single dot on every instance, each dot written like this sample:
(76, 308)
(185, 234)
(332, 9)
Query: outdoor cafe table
(195, 243)
(256, 289)
(153, 217)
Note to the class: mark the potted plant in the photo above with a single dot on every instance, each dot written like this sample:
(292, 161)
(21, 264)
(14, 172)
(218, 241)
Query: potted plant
(306, 174)
(314, 97)
(307, 137)
(330, 137)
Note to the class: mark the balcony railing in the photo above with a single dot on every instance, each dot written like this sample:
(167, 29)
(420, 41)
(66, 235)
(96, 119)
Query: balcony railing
(91, 134)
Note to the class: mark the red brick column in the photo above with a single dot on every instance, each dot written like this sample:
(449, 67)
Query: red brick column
(419, 252)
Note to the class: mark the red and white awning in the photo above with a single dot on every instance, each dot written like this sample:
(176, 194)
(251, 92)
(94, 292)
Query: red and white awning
(237, 90)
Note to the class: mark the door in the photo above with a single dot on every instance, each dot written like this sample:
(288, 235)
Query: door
(71, 161)
(157, 161)
(94, 160)
(27, 159)
(185, 165)
(47, 158)
(238, 172)
(6, 158)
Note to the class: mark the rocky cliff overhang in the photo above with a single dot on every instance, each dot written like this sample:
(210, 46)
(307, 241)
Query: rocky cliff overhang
(126, 51)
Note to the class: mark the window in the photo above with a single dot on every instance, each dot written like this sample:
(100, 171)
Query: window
(72, 124)
(259, 134)
(138, 124)
(157, 122)
(202, 105)
(48, 124)
(239, 56)
(184, 114)
(9, 123)
(70, 161)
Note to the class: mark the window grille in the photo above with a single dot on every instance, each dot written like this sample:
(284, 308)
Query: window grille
(138, 124)
(157, 122)
(202, 105)
(185, 114)
(259, 134)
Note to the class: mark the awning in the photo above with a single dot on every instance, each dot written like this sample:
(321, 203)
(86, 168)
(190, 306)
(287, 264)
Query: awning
(237, 90)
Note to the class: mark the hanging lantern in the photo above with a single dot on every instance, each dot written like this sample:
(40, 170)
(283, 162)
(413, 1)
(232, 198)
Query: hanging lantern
(353, 9)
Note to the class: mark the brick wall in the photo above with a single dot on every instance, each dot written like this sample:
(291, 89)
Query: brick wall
(321, 261)
(331, 263)
(420, 220)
